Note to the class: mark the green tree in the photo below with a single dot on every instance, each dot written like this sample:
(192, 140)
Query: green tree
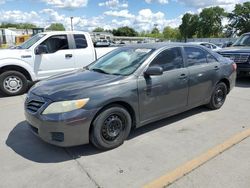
(155, 31)
(171, 33)
(56, 27)
(98, 29)
(189, 26)
(18, 25)
(239, 19)
(210, 22)
(125, 31)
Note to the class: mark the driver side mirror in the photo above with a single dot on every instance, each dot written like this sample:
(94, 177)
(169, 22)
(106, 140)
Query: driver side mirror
(41, 49)
(154, 71)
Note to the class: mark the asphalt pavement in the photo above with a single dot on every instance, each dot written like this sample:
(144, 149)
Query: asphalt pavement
(149, 152)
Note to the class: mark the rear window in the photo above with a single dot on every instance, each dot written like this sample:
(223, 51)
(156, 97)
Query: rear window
(80, 41)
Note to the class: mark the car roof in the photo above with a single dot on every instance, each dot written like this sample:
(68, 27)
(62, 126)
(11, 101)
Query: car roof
(200, 42)
(159, 45)
(63, 32)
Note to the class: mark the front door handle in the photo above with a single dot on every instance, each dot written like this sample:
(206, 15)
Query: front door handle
(183, 76)
(216, 67)
(68, 55)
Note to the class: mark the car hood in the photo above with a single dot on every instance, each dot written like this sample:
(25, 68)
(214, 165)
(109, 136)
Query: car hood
(14, 53)
(235, 49)
(73, 85)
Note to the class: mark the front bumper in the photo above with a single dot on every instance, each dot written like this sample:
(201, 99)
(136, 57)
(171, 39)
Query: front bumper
(65, 129)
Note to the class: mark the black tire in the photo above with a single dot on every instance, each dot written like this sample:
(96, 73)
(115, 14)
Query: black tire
(218, 96)
(19, 83)
(110, 128)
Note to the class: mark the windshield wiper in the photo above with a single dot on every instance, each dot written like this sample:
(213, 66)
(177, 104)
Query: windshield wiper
(99, 70)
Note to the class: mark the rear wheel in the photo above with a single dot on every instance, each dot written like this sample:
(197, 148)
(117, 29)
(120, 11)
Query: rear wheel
(218, 96)
(110, 128)
(13, 83)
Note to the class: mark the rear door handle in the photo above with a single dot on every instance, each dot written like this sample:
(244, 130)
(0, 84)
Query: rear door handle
(68, 55)
(183, 76)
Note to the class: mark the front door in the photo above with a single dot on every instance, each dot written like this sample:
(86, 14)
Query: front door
(166, 93)
(58, 59)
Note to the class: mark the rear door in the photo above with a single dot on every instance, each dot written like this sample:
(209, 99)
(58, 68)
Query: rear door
(162, 94)
(58, 59)
(203, 74)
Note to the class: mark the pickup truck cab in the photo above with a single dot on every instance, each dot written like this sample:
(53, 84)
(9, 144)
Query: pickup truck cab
(44, 55)
(239, 52)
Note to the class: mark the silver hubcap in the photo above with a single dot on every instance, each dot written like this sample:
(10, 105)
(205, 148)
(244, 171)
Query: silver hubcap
(12, 84)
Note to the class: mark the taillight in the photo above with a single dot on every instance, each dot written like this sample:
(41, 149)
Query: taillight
(234, 65)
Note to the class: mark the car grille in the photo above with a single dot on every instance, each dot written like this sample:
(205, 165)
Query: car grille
(34, 105)
(237, 58)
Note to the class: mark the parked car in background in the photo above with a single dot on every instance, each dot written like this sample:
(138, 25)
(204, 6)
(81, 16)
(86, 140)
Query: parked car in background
(226, 44)
(127, 88)
(44, 55)
(239, 52)
(208, 45)
(102, 43)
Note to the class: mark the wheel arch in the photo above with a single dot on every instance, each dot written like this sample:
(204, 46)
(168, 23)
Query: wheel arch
(18, 69)
(226, 81)
(123, 104)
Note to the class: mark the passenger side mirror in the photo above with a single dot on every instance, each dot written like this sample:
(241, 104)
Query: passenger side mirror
(41, 49)
(154, 71)
(229, 44)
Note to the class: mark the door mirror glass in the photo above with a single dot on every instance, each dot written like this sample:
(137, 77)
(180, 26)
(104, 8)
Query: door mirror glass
(154, 71)
(41, 49)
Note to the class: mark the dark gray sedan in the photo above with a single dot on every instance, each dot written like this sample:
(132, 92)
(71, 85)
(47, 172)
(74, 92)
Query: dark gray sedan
(127, 88)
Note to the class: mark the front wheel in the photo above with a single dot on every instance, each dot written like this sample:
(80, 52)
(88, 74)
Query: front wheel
(13, 83)
(218, 96)
(110, 128)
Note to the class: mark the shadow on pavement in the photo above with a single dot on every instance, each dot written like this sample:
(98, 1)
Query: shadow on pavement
(166, 121)
(243, 82)
(24, 143)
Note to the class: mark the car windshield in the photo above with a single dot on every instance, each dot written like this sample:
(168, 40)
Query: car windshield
(123, 61)
(243, 41)
(27, 44)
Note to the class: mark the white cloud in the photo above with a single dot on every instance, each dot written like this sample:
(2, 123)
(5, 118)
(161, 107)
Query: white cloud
(145, 20)
(113, 4)
(52, 16)
(121, 14)
(17, 16)
(2, 2)
(227, 4)
(67, 4)
(158, 1)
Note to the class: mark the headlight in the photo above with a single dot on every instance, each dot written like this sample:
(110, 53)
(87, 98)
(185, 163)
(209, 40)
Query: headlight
(65, 106)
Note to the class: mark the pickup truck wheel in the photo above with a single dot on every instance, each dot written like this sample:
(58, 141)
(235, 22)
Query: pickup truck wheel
(13, 83)
(218, 96)
(110, 128)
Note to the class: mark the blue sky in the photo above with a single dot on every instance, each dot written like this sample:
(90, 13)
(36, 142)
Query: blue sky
(89, 14)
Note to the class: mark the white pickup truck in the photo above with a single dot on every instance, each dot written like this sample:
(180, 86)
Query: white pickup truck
(44, 55)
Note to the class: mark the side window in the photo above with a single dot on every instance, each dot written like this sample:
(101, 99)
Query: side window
(169, 59)
(210, 58)
(80, 41)
(195, 56)
(55, 43)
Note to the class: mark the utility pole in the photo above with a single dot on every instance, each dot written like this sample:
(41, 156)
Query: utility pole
(71, 20)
